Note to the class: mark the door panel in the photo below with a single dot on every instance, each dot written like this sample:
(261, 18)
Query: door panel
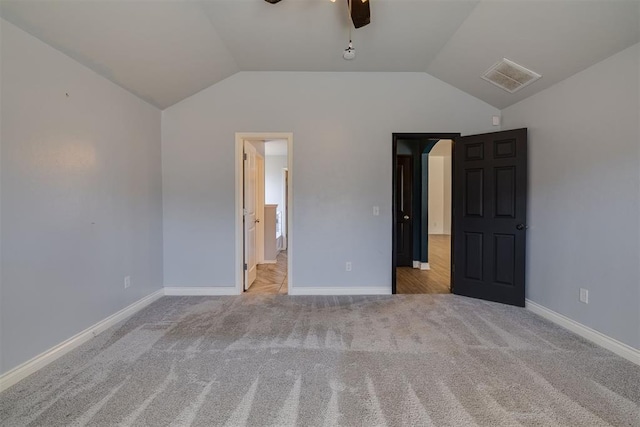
(473, 190)
(490, 203)
(474, 255)
(505, 192)
(250, 214)
(404, 205)
(504, 246)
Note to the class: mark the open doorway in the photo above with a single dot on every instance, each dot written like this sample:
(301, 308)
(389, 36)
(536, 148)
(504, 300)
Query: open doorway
(263, 198)
(422, 211)
(489, 211)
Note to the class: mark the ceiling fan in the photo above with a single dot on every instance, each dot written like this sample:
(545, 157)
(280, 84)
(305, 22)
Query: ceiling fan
(359, 10)
(360, 14)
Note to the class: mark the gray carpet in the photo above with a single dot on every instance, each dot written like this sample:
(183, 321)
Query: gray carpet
(322, 361)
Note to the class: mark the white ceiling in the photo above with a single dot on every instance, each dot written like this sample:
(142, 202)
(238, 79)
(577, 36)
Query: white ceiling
(165, 51)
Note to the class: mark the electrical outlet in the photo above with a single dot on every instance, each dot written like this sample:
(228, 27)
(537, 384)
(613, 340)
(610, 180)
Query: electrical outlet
(127, 281)
(376, 210)
(348, 266)
(584, 295)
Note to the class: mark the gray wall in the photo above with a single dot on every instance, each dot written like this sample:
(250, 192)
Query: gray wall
(584, 195)
(81, 198)
(342, 125)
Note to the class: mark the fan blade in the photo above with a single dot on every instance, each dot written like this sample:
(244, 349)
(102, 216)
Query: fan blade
(360, 13)
(272, 1)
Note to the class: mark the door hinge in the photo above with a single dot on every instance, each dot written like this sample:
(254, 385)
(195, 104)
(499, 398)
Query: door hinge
(245, 266)
(453, 268)
(244, 156)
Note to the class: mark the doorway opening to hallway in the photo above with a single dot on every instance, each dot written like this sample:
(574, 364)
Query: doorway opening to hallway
(488, 202)
(265, 214)
(422, 199)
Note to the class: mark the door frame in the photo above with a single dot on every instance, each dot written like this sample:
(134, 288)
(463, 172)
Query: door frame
(394, 241)
(284, 230)
(240, 137)
(260, 189)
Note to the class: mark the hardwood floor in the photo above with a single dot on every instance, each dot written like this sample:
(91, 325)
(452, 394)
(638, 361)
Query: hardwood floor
(435, 281)
(271, 278)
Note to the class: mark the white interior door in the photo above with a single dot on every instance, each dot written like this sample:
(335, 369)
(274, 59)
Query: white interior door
(250, 184)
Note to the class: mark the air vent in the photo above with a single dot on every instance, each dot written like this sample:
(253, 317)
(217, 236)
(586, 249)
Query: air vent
(510, 76)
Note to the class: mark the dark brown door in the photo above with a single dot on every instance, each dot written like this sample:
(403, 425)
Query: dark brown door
(490, 208)
(404, 227)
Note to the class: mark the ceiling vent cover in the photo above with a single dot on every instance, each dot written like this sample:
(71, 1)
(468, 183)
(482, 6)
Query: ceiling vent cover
(510, 76)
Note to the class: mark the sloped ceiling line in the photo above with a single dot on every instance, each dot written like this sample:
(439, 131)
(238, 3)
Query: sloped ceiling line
(164, 52)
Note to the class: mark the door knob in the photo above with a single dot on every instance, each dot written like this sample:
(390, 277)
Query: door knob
(257, 220)
(521, 227)
(406, 217)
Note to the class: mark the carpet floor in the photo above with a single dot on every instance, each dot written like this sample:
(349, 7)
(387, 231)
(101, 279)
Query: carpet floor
(412, 360)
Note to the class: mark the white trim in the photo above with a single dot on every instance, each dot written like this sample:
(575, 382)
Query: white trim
(176, 291)
(43, 359)
(421, 265)
(289, 234)
(283, 227)
(269, 261)
(321, 290)
(611, 344)
(238, 215)
(258, 136)
(260, 191)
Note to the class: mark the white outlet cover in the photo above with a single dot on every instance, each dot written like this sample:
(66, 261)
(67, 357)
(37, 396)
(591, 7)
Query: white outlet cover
(376, 210)
(348, 266)
(584, 295)
(127, 281)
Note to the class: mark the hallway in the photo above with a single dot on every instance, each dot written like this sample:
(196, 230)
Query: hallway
(271, 278)
(435, 281)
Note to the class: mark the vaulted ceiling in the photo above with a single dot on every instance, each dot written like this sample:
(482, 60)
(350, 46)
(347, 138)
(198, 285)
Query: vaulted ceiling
(165, 51)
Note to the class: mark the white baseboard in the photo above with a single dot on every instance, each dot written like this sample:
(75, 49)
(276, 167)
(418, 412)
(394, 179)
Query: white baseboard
(421, 265)
(200, 291)
(611, 344)
(320, 290)
(40, 361)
